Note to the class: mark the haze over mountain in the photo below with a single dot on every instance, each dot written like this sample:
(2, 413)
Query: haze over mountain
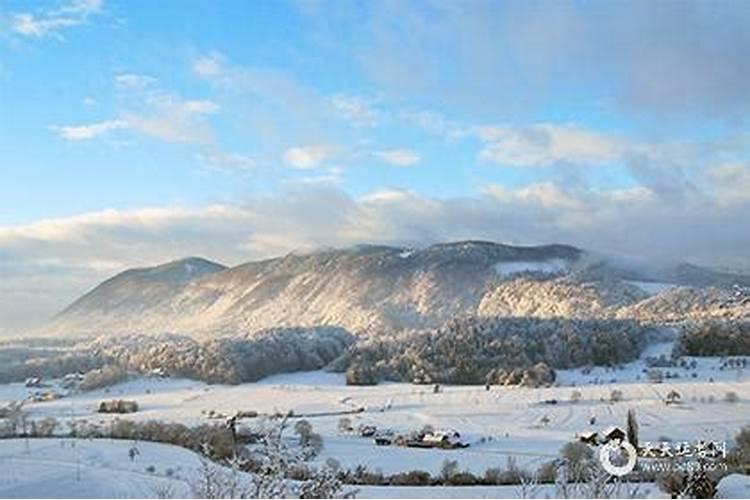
(368, 289)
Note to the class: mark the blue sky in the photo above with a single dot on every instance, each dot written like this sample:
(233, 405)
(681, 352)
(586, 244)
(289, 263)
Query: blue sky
(134, 132)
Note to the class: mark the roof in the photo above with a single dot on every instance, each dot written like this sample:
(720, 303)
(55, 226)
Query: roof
(438, 436)
(613, 430)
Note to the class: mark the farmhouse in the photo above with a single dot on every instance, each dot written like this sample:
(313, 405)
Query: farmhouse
(446, 439)
(71, 380)
(589, 437)
(34, 382)
(613, 433)
(367, 430)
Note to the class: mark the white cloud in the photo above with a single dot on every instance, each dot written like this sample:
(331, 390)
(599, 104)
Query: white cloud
(434, 123)
(174, 120)
(386, 196)
(165, 117)
(209, 66)
(200, 107)
(400, 157)
(543, 194)
(90, 131)
(134, 81)
(228, 162)
(731, 181)
(547, 144)
(357, 110)
(54, 21)
(306, 157)
(509, 58)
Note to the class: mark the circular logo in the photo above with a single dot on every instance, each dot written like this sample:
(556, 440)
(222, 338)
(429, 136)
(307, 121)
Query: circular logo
(618, 448)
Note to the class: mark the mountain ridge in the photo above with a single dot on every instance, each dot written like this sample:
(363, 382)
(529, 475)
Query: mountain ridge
(365, 289)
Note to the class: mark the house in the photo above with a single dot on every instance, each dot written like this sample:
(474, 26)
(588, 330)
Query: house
(71, 380)
(589, 437)
(445, 439)
(613, 433)
(367, 430)
(157, 373)
(34, 382)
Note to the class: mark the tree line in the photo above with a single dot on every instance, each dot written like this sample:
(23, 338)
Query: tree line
(505, 350)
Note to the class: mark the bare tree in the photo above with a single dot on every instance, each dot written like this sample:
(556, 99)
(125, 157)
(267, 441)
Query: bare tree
(528, 486)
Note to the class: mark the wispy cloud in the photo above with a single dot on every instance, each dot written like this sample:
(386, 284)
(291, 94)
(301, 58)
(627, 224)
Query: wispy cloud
(52, 22)
(152, 112)
(175, 120)
(358, 111)
(134, 81)
(400, 157)
(547, 144)
(228, 163)
(306, 157)
(89, 131)
(210, 65)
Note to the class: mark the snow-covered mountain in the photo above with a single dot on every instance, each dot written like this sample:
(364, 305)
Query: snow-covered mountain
(365, 289)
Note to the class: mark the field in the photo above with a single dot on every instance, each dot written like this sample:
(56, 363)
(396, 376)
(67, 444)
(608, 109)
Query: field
(526, 425)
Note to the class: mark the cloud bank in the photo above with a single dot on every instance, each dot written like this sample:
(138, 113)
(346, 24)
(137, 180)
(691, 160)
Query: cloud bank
(49, 263)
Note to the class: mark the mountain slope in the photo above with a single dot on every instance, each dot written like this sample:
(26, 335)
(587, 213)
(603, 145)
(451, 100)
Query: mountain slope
(123, 297)
(374, 289)
(365, 288)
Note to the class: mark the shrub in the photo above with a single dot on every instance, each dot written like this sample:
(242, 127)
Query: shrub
(462, 478)
(360, 374)
(411, 478)
(118, 406)
(731, 397)
(579, 458)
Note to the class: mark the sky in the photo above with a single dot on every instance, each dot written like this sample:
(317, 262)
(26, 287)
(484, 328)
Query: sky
(136, 132)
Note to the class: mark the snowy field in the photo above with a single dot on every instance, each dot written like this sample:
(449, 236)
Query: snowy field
(55, 468)
(526, 425)
(66, 468)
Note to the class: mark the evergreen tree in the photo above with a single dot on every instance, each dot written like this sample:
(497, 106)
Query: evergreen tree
(632, 428)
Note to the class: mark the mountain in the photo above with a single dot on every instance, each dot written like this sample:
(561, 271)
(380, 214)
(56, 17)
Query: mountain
(133, 292)
(363, 288)
(366, 289)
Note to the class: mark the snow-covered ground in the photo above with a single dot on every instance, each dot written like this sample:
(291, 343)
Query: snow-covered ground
(526, 425)
(68, 468)
(734, 486)
(538, 491)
